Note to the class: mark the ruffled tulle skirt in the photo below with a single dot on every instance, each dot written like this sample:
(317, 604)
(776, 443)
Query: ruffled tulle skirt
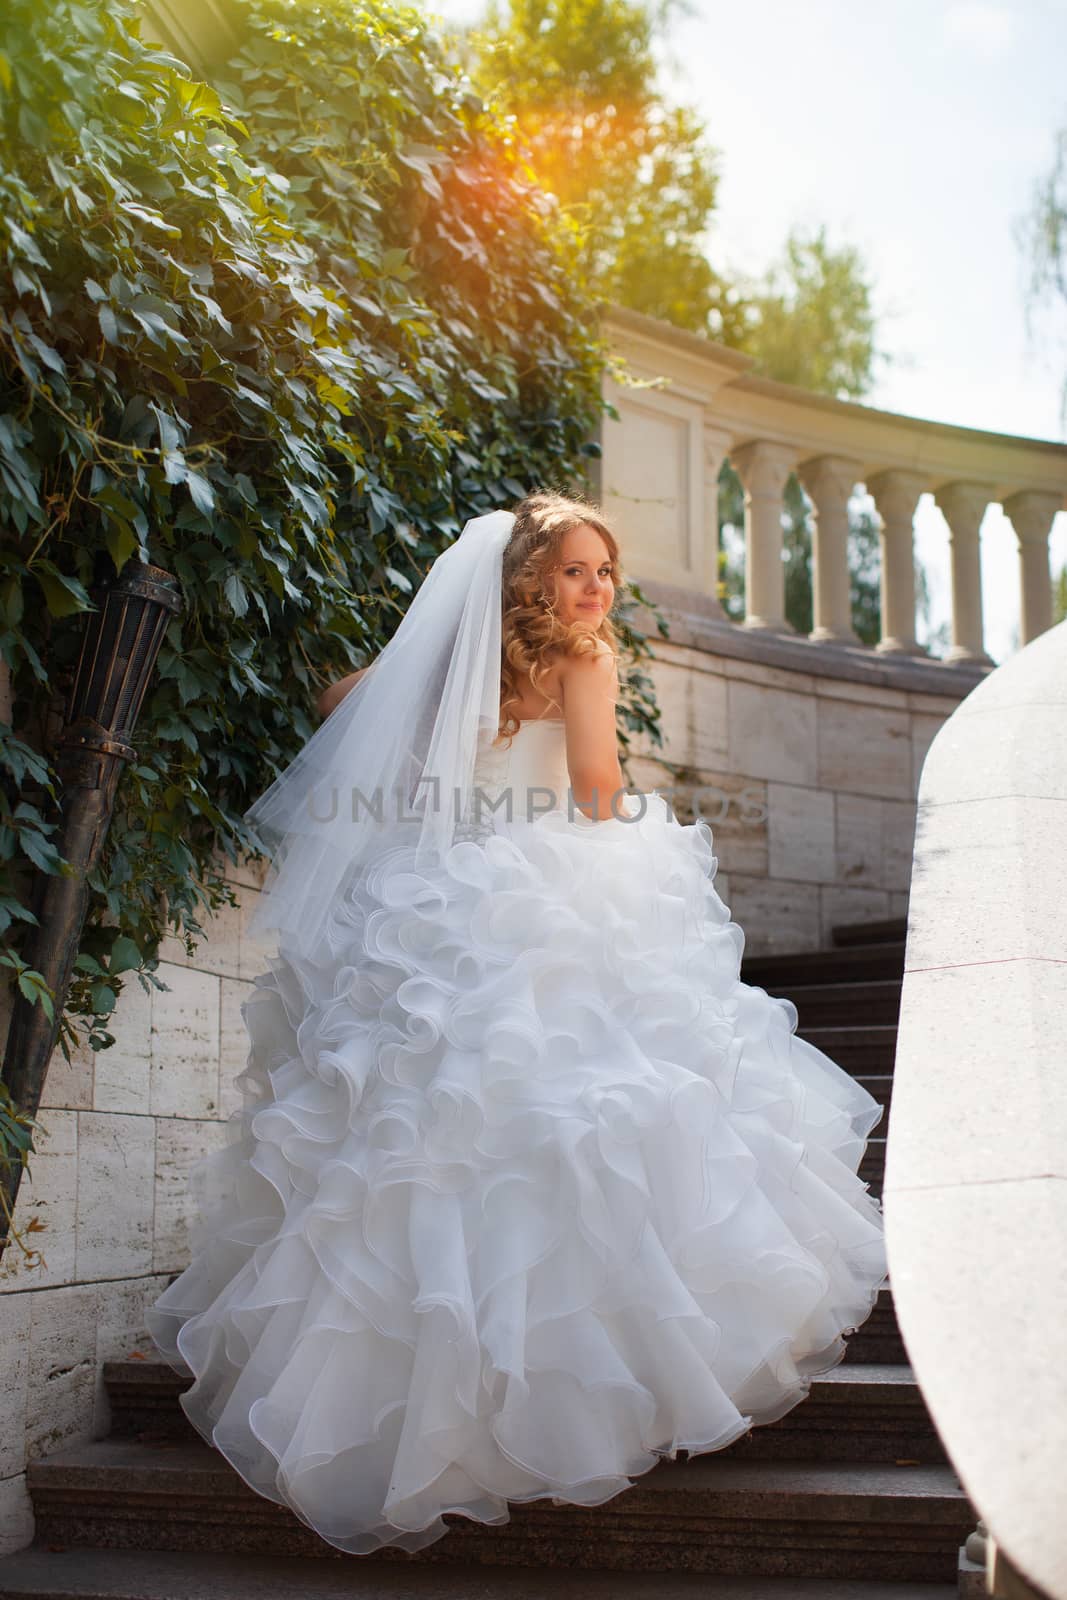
(528, 1190)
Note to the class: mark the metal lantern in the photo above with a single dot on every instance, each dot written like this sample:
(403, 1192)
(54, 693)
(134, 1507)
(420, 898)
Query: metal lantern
(119, 649)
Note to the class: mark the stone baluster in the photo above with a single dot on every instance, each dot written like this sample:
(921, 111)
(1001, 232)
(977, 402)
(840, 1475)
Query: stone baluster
(716, 449)
(1031, 512)
(829, 480)
(964, 505)
(764, 468)
(973, 1564)
(896, 493)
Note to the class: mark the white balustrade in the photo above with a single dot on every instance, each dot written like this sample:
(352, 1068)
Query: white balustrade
(1031, 514)
(764, 469)
(963, 506)
(896, 494)
(829, 481)
(709, 407)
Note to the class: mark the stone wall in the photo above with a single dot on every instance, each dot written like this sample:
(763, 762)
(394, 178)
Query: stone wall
(107, 1194)
(808, 781)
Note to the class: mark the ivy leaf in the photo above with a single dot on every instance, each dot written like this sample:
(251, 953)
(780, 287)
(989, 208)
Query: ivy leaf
(34, 988)
(121, 543)
(64, 594)
(103, 998)
(171, 436)
(174, 467)
(151, 218)
(236, 594)
(202, 492)
(124, 956)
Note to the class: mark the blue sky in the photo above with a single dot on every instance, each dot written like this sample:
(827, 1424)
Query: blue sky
(915, 130)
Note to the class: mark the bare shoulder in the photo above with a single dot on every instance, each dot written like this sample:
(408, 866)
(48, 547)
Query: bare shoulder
(602, 658)
(596, 670)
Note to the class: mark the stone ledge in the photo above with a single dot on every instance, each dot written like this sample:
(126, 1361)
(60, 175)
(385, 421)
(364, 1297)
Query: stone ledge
(225, 1575)
(692, 622)
(708, 1514)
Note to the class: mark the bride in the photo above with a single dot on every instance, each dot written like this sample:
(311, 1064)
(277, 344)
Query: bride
(528, 1190)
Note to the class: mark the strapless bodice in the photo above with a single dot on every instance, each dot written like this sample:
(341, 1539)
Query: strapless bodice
(531, 770)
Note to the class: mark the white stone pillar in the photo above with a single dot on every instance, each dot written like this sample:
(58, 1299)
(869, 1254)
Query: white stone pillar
(1031, 512)
(764, 468)
(829, 480)
(964, 506)
(716, 449)
(896, 493)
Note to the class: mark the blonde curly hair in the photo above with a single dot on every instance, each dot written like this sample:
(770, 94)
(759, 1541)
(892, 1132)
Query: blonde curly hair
(533, 638)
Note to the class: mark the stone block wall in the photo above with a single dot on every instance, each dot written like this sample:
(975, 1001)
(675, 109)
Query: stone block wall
(107, 1194)
(807, 781)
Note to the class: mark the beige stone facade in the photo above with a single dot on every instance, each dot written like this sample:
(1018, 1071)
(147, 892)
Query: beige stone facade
(807, 782)
(107, 1195)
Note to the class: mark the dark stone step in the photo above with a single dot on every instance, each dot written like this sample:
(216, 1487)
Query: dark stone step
(708, 1514)
(889, 930)
(860, 1050)
(841, 1005)
(854, 1413)
(872, 1167)
(880, 1086)
(878, 1341)
(45, 1574)
(856, 964)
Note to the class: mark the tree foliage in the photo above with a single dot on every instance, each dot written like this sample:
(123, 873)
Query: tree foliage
(162, 354)
(813, 325)
(811, 320)
(1059, 596)
(635, 171)
(1041, 237)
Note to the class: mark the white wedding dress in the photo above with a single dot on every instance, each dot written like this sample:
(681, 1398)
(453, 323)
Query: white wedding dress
(528, 1189)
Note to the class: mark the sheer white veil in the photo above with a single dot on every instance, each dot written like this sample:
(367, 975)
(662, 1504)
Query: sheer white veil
(394, 761)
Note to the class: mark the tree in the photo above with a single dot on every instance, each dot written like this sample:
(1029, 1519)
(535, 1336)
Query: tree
(811, 319)
(865, 568)
(636, 173)
(1059, 596)
(811, 323)
(1041, 236)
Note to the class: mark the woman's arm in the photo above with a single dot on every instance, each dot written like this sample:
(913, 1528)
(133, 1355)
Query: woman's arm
(334, 693)
(590, 691)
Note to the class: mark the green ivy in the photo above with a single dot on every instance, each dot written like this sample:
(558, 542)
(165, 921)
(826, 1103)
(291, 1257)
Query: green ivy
(280, 335)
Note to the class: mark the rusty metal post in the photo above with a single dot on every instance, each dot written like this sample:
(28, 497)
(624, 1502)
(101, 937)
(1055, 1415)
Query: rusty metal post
(119, 650)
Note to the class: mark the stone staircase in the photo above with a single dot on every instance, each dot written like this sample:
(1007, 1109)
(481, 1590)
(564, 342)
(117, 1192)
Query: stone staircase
(847, 1497)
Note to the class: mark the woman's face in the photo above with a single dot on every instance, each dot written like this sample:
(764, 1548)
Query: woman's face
(584, 590)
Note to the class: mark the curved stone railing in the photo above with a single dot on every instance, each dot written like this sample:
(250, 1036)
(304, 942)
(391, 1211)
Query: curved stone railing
(660, 470)
(976, 1173)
